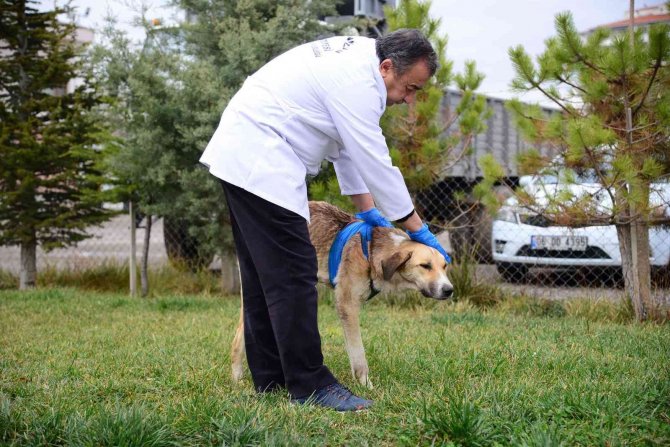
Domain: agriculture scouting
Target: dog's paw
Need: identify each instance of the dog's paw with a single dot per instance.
(364, 380)
(238, 372)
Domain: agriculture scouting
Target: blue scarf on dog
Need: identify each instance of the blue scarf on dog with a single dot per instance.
(346, 233)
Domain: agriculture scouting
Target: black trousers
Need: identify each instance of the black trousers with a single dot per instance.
(278, 266)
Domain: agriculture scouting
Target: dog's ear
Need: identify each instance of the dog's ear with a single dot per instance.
(395, 263)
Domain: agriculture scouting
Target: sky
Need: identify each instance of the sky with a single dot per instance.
(484, 30)
(479, 30)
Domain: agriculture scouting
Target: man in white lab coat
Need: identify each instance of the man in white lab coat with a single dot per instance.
(321, 100)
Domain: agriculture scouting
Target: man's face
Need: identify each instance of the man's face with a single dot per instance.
(403, 88)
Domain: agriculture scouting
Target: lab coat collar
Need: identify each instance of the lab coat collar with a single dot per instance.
(379, 80)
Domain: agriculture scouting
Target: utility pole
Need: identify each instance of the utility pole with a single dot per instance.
(631, 21)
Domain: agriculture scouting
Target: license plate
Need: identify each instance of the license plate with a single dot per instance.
(575, 243)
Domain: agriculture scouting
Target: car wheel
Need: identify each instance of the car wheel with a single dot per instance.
(514, 273)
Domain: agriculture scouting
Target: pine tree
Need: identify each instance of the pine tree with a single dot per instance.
(50, 181)
(596, 83)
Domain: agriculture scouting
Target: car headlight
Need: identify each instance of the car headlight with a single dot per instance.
(506, 215)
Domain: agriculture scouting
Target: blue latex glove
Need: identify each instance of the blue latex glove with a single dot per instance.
(374, 217)
(424, 236)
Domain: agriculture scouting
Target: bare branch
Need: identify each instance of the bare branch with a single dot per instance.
(452, 119)
(448, 226)
(599, 173)
(565, 81)
(657, 65)
(454, 161)
(556, 101)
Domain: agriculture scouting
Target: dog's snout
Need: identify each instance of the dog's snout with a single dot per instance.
(438, 292)
(447, 292)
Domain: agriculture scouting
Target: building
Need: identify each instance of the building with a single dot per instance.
(643, 18)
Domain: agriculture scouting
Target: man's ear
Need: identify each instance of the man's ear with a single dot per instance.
(395, 263)
(385, 67)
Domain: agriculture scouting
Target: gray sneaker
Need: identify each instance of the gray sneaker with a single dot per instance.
(337, 397)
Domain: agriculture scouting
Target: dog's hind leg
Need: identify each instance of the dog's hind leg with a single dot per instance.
(348, 306)
(237, 349)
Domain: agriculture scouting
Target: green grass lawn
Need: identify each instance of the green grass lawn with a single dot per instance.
(86, 368)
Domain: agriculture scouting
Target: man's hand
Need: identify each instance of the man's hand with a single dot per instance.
(373, 217)
(424, 236)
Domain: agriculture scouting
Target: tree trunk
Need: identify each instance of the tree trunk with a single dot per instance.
(640, 251)
(132, 261)
(144, 277)
(629, 277)
(637, 272)
(643, 270)
(634, 236)
(28, 274)
(634, 249)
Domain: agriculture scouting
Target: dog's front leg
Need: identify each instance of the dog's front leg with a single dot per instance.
(348, 306)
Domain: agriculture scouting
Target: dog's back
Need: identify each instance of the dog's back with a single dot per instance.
(326, 221)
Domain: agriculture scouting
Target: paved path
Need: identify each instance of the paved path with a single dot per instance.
(565, 285)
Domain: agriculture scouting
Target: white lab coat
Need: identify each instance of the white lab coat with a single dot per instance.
(321, 100)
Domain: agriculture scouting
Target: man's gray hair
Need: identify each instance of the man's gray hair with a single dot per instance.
(405, 47)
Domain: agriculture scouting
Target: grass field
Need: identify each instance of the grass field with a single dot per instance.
(91, 368)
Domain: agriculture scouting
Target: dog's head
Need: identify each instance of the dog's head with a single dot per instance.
(416, 266)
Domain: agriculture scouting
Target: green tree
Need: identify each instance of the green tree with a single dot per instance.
(146, 161)
(171, 91)
(50, 181)
(614, 95)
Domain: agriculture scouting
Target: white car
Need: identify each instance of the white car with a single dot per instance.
(522, 238)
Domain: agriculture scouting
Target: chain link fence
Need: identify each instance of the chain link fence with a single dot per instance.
(167, 245)
(528, 253)
(519, 251)
(109, 244)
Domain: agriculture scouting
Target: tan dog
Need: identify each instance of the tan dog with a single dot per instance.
(395, 263)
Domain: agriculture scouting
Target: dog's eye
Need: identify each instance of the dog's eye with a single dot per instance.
(426, 266)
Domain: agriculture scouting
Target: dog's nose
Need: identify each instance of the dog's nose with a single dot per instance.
(447, 292)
